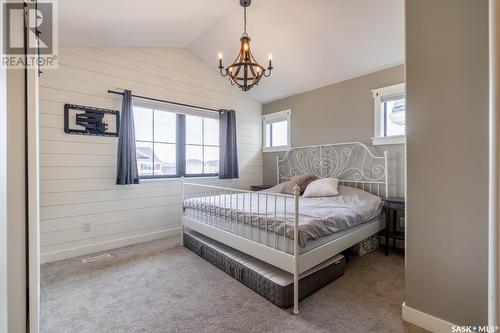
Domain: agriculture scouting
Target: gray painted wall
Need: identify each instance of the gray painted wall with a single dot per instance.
(16, 242)
(340, 112)
(447, 147)
(12, 199)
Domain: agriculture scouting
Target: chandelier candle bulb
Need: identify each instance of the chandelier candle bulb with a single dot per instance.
(220, 61)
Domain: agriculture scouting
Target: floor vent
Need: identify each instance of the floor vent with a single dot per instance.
(95, 258)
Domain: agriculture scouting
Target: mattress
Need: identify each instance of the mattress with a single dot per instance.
(270, 282)
(257, 212)
(279, 242)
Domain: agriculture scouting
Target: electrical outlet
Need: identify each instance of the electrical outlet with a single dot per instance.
(87, 227)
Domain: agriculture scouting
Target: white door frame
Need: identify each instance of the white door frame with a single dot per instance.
(31, 109)
(33, 186)
(33, 200)
(494, 164)
(3, 191)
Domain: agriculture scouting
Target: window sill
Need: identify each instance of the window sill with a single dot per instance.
(275, 149)
(147, 180)
(389, 140)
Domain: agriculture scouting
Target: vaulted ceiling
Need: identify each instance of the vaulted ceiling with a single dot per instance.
(314, 42)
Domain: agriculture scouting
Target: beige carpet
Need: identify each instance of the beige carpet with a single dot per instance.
(153, 288)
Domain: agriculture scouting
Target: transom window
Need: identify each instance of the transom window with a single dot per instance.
(276, 131)
(390, 115)
(170, 144)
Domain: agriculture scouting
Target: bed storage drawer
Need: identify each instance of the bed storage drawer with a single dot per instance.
(270, 282)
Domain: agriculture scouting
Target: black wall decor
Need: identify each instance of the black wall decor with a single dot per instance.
(89, 120)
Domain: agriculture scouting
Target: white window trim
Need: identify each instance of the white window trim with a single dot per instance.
(271, 116)
(389, 140)
(378, 94)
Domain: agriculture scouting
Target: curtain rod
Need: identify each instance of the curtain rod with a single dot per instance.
(164, 101)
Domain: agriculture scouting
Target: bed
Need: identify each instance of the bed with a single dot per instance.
(289, 232)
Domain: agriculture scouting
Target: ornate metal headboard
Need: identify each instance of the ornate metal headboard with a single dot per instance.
(353, 163)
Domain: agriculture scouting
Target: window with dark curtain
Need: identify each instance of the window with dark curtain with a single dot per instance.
(170, 144)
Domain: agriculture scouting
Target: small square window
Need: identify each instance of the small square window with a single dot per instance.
(276, 131)
(390, 115)
(394, 116)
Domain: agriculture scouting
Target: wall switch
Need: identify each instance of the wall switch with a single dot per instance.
(87, 227)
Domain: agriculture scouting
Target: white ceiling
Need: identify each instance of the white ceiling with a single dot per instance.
(135, 23)
(314, 42)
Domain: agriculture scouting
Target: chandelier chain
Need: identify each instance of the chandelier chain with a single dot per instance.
(245, 20)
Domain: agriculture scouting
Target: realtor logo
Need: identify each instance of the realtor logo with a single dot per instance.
(40, 35)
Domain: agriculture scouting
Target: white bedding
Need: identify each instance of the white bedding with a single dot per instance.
(317, 216)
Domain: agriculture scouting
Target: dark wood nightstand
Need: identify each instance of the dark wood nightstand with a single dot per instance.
(260, 187)
(394, 210)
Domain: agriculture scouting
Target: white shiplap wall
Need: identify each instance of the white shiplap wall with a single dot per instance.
(77, 173)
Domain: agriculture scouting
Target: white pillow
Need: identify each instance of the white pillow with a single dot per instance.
(323, 187)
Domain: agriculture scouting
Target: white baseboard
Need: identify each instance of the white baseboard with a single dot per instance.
(424, 320)
(108, 245)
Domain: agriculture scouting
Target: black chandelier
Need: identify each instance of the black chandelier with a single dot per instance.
(245, 72)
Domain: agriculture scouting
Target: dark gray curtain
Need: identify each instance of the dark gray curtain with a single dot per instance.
(126, 172)
(228, 155)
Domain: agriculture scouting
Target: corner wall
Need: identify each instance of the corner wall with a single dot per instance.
(77, 173)
(447, 147)
(341, 112)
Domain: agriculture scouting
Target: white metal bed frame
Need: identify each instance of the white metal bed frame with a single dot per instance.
(353, 163)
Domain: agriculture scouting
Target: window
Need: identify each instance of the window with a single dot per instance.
(170, 144)
(276, 131)
(390, 115)
(202, 146)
